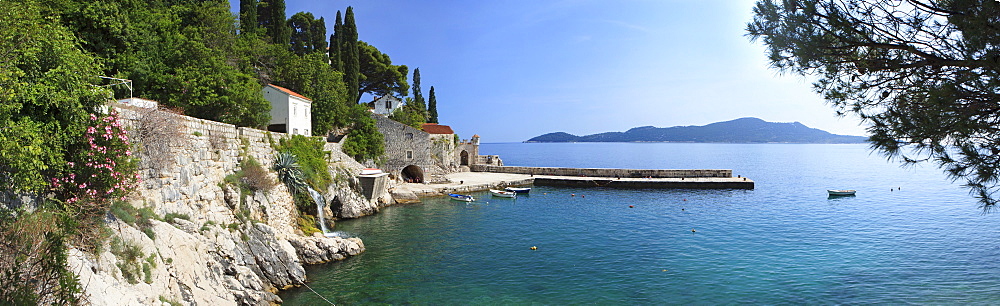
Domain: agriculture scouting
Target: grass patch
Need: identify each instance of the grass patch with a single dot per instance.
(128, 255)
(197, 133)
(140, 218)
(169, 217)
(307, 223)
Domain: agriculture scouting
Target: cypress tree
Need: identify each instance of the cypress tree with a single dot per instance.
(335, 44)
(418, 96)
(352, 62)
(271, 16)
(248, 16)
(432, 111)
(318, 33)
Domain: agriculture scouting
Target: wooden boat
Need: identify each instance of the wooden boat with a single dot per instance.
(841, 193)
(461, 197)
(518, 190)
(503, 193)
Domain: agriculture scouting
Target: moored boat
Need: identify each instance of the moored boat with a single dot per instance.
(503, 193)
(461, 197)
(518, 190)
(841, 193)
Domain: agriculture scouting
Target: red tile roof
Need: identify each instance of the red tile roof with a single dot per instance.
(434, 128)
(288, 91)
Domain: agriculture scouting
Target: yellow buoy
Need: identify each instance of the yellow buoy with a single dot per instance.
(534, 248)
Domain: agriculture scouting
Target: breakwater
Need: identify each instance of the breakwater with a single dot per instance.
(607, 172)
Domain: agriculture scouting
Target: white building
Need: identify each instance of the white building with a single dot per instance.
(385, 105)
(290, 112)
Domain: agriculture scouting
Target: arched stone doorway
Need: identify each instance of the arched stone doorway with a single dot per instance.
(413, 174)
(465, 158)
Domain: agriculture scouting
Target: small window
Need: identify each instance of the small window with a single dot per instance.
(409, 154)
(388, 105)
(295, 131)
(409, 136)
(294, 109)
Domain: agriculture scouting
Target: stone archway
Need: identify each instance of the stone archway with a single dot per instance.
(464, 158)
(412, 174)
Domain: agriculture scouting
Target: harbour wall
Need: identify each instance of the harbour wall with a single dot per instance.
(661, 183)
(606, 172)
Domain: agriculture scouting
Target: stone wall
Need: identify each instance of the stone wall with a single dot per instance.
(230, 247)
(605, 172)
(404, 146)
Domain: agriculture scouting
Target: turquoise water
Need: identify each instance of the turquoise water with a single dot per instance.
(924, 242)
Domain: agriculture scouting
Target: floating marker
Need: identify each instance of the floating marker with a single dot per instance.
(692, 230)
(630, 206)
(534, 248)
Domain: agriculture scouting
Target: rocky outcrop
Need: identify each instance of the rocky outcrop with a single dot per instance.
(347, 203)
(316, 250)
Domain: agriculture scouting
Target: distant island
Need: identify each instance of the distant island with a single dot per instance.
(743, 130)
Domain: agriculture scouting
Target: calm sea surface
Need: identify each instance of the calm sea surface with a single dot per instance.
(909, 236)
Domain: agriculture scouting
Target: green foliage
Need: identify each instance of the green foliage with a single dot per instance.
(336, 43)
(308, 34)
(410, 114)
(307, 224)
(169, 217)
(197, 133)
(379, 76)
(129, 256)
(923, 76)
(350, 57)
(364, 142)
(312, 77)
(432, 111)
(418, 94)
(248, 17)
(311, 158)
(289, 172)
(271, 17)
(33, 260)
(45, 97)
(171, 302)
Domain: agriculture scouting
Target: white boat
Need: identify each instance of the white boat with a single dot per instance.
(503, 193)
(518, 190)
(840, 193)
(461, 197)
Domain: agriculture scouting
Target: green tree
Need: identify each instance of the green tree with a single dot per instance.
(379, 76)
(248, 16)
(335, 44)
(923, 75)
(349, 56)
(364, 142)
(271, 17)
(418, 95)
(432, 111)
(312, 77)
(308, 33)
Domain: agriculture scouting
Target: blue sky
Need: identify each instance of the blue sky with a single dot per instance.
(512, 70)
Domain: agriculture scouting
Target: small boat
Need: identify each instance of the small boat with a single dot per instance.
(503, 193)
(518, 190)
(841, 193)
(461, 197)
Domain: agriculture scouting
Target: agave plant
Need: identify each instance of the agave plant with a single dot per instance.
(289, 172)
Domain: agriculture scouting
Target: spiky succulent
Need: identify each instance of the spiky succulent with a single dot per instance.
(289, 172)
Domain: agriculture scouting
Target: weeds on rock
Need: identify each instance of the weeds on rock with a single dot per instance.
(33, 256)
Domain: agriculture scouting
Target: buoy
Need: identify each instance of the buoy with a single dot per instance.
(630, 206)
(572, 194)
(664, 270)
(583, 196)
(682, 209)
(685, 199)
(692, 230)
(534, 248)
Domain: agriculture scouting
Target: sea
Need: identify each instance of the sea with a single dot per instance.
(909, 236)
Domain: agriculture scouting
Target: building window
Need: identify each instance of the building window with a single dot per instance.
(409, 154)
(409, 136)
(294, 110)
(295, 131)
(306, 131)
(388, 105)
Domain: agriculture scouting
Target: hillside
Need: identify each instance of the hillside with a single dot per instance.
(743, 130)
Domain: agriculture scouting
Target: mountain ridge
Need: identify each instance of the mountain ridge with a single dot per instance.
(742, 130)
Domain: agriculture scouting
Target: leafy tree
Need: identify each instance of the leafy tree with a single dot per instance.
(271, 17)
(311, 76)
(409, 114)
(923, 75)
(379, 76)
(432, 111)
(364, 142)
(349, 55)
(46, 96)
(308, 33)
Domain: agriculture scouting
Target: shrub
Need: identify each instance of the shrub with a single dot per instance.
(289, 172)
(33, 267)
(158, 131)
(128, 259)
(311, 157)
(255, 176)
(169, 217)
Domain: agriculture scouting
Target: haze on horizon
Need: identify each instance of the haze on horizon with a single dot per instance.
(512, 70)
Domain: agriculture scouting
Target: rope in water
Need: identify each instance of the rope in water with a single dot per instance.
(317, 293)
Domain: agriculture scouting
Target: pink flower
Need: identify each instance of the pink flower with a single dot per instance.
(93, 117)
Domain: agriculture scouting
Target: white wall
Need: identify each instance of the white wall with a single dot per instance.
(294, 112)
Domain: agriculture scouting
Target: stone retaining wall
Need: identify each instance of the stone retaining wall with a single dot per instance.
(605, 172)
